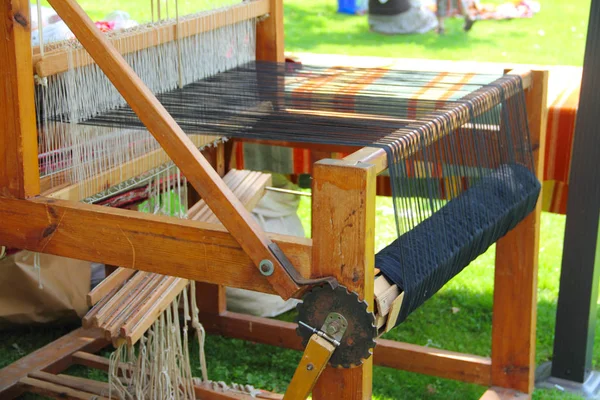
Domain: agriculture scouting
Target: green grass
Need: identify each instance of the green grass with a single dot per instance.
(555, 36)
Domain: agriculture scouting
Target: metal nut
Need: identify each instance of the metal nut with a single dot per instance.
(266, 267)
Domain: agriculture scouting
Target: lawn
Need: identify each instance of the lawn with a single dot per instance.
(554, 36)
(459, 316)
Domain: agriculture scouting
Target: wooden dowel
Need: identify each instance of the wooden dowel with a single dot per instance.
(178, 146)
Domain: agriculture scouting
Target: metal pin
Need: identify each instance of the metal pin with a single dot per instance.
(288, 191)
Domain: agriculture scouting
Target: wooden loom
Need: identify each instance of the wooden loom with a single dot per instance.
(50, 224)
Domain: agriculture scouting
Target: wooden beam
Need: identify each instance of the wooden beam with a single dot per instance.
(57, 61)
(388, 353)
(54, 357)
(178, 146)
(161, 244)
(343, 226)
(269, 34)
(515, 286)
(19, 174)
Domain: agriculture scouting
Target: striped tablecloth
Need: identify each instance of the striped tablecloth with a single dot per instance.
(562, 101)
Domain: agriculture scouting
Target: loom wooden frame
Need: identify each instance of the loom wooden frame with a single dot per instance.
(144, 242)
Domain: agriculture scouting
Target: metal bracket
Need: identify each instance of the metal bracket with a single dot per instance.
(294, 274)
(333, 328)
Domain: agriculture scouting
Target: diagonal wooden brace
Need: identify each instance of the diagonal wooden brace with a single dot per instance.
(178, 146)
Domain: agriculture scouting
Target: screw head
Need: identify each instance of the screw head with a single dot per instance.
(266, 267)
(310, 367)
(333, 328)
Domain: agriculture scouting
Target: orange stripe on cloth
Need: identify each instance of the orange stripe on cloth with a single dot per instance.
(454, 88)
(562, 115)
(347, 94)
(414, 101)
(304, 91)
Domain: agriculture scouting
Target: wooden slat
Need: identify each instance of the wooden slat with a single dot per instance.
(58, 61)
(57, 391)
(161, 244)
(53, 357)
(178, 146)
(73, 382)
(398, 355)
(112, 281)
(155, 310)
(19, 174)
(515, 285)
(343, 227)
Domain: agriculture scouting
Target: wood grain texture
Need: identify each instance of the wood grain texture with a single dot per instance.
(112, 281)
(314, 360)
(343, 226)
(175, 142)
(19, 174)
(270, 35)
(57, 61)
(161, 244)
(56, 391)
(388, 353)
(515, 286)
(54, 357)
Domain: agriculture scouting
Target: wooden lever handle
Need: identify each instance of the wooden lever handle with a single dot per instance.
(176, 144)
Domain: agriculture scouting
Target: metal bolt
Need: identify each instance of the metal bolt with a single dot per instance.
(310, 367)
(333, 328)
(266, 267)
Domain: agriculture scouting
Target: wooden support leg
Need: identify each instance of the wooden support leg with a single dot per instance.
(343, 226)
(211, 298)
(515, 287)
(19, 174)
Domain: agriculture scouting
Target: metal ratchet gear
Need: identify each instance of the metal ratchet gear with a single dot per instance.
(358, 341)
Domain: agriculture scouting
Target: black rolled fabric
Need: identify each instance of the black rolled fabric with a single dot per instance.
(496, 204)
